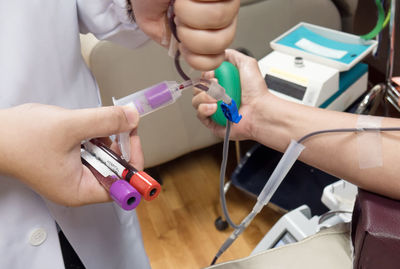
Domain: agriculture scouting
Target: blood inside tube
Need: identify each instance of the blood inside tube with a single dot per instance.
(107, 181)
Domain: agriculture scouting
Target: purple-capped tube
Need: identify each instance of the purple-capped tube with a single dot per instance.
(123, 193)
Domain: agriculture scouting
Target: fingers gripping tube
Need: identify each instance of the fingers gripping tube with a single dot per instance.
(228, 89)
(225, 92)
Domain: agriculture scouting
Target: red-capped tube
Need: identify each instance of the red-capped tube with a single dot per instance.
(148, 187)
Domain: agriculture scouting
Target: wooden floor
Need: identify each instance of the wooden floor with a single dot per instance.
(178, 227)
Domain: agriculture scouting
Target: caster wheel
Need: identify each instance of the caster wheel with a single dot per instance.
(221, 224)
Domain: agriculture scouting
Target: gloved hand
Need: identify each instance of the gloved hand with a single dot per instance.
(205, 28)
(41, 147)
(254, 90)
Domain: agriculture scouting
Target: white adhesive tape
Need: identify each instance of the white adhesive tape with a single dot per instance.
(369, 142)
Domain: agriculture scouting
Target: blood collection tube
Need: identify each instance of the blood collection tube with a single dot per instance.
(161, 95)
(125, 195)
(146, 101)
(154, 97)
(145, 184)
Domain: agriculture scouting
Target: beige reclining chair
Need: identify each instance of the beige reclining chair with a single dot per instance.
(175, 130)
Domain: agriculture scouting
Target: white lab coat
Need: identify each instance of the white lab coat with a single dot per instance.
(40, 61)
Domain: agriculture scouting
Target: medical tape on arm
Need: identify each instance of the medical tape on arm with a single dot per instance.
(369, 143)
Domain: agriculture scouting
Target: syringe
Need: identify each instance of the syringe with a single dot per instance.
(161, 95)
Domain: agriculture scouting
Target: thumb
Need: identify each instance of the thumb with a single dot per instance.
(103, 121)
(241, 61)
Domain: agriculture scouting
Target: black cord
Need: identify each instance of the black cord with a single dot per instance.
(171, 19)
(178, 66)
(214, 260)
(348, 130)
(172, 27)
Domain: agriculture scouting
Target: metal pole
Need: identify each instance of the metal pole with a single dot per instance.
(390, 62)
(391, 94)
(238, 153)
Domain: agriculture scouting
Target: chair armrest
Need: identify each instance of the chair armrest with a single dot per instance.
(375, 231)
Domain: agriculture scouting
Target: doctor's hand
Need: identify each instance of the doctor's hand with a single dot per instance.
(205, 28)
(254, 92)
(40, 145)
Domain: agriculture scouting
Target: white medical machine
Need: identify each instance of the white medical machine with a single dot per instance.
(298, 224)
(317, 66)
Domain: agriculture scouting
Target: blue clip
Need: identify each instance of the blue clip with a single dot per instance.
(231, 112)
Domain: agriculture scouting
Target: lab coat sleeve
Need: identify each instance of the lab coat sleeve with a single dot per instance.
(108, 19)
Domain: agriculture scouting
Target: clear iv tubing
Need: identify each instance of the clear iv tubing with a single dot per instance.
(283, 167)
(218, 95)
(285, 164)
(225, 149)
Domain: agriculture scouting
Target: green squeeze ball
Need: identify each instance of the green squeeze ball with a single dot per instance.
(228, 77)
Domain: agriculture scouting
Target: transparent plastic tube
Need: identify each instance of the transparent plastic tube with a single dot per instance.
(217, 92)
(289, 157)
(285, 164)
